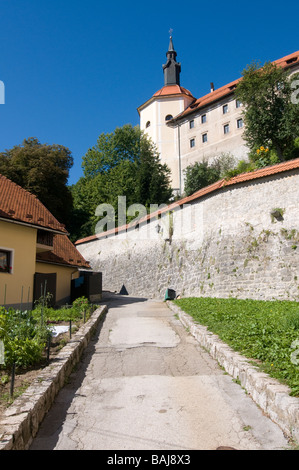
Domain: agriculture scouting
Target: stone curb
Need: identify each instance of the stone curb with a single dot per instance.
(22, 419)
(269, 394)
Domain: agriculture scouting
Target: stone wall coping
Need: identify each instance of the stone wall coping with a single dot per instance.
(22, 419)
(268, 393)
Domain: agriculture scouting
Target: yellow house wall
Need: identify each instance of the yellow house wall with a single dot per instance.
(63, 280)
(21, 241)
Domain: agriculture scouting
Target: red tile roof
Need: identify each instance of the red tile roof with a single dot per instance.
(249, 176)
(172, 90)
(285, 62)
(64, 253)
(18, 204)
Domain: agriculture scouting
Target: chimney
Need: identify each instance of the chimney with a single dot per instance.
(212, 86)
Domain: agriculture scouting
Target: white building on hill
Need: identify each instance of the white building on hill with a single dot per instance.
(186, 129)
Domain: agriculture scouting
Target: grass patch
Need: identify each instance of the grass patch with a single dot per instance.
(260, 330)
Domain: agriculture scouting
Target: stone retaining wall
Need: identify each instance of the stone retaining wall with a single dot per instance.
(23, 418)
(271, 396)
(226, 243)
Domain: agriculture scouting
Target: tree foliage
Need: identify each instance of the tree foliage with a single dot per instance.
(122, 163)
(202, 174)
(271, 117)
(43, 170)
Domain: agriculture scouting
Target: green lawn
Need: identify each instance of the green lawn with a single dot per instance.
(263, 330)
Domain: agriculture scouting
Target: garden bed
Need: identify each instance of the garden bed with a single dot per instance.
(26, 373)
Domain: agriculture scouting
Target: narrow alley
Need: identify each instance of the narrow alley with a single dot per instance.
(144, 383)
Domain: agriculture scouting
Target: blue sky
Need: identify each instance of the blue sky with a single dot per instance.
(73, 69)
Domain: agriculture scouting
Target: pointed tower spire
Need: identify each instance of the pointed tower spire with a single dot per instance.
(172, 68)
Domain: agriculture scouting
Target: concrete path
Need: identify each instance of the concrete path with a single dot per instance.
(145, 383)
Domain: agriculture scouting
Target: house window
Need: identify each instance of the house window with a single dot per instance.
(192, 143)
(168, 117)
(225, 109)
(5, 261)
(205, 138)
(203, 118)
(238, 104)
(226, 128)
(191, 124)
(239, 123)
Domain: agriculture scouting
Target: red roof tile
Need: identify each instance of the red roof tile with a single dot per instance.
(285, 62)
(64, 253)
(249, 176)
(172, 90)
(18, 204)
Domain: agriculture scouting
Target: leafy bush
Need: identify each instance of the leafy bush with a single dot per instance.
(23, 337)
(74, 312)
(263, 330)
(25, 334)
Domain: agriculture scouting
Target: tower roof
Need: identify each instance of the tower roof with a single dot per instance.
(172, 68)
(168, 90)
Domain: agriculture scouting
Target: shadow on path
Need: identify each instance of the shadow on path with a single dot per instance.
(114, 300)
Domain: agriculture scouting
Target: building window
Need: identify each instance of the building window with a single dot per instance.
(191, 124)
(148, 124)
(205, 138)
(203, 118)
(225, 109)
(168, 117)
(226, 128)
(239, 123)
(238, 104)
(192, 143)
(5, 261)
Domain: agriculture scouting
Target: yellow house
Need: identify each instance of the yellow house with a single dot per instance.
(36, 255)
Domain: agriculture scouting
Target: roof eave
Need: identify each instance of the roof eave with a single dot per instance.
(186, 113)
(36, 226)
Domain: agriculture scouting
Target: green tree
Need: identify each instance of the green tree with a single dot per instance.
(199, 175)
(271, 118)
(122, 163)
(112, 148)
(43, 170)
